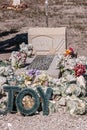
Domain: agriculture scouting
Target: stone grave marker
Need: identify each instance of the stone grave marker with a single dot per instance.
(48, 40)
(16, 2)
(47, 43)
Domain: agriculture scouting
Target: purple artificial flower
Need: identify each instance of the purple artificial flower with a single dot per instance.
(34, 72)
(37, 72)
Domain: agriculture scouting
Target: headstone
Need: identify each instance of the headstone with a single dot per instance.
(47, 40)
(16, 2)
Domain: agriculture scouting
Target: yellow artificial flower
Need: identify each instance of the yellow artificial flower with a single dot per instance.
(68, 52)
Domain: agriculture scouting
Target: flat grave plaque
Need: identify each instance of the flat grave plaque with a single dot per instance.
(41, 62)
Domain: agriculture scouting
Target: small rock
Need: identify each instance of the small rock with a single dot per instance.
(10, 126)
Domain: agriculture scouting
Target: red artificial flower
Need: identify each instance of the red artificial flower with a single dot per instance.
(79, 69)
(69, 51)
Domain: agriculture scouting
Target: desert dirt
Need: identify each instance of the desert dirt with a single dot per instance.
(57, 121)
(14, 27)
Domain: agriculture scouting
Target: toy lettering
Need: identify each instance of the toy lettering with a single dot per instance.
(18, 94)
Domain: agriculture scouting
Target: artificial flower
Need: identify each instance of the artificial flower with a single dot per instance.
(18, 59)
(69, 51)
(33, 72)
(79, 70)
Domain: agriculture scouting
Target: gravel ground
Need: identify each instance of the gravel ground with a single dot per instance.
(57, 121)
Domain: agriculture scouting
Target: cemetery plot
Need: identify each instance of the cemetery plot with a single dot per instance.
(68, 88)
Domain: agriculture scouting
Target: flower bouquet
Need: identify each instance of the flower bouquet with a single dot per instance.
(30, 76)
(18, 59)
(28, 49)
(79, 70)
(70, 52)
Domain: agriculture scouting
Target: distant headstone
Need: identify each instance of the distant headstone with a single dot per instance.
(48, 40)
(16, 2)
